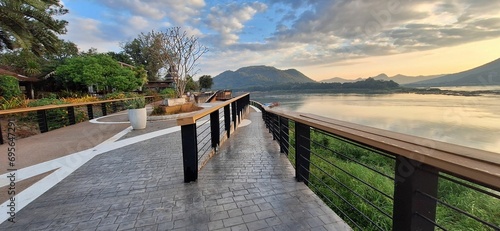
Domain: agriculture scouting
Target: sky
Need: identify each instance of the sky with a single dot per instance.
(321, 38)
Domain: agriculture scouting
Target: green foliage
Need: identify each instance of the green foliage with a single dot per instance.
(9, 87)
(206, 82)
(56, 118)
(168, 92)
(335, 171)
(99, 70)
(191, 85)
(369, 84)
(135, 103)
(31, 25)
(145, 51)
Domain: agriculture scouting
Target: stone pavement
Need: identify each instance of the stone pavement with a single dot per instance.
(248, 185)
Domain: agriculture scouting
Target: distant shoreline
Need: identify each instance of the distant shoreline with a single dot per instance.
(401, 90)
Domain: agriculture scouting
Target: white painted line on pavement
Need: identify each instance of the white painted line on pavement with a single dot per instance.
(66, 165)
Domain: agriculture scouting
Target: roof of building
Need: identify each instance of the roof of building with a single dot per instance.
(19, 77)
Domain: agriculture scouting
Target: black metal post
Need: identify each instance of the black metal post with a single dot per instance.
(215, 128)
(227, 120)
(103, 108)
(302, 151)
(233, 107)
(413, 179)
(284, 137)
(71, 115)
(113, 105)
(189, 152)
(42, 121)
(1, 135)
(90, 111)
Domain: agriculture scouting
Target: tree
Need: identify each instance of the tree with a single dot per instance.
(206, 82)
(30, 25)
(191, 85)
(9, 87)
(101, 71)
(145, 50)
(180, 52)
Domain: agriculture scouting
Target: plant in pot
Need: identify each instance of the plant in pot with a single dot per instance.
(137, 114)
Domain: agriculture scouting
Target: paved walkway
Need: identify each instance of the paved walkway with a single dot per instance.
(139, 185)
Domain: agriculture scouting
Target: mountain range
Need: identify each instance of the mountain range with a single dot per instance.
(257, 76)
(400, 79)
(487, 74)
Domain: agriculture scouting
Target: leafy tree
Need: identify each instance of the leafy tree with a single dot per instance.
(101, 71)
(31, 25)
(9, 87)
(25, 62)
(191, 85)
(120, 56)
(206, 82)
(145, 51)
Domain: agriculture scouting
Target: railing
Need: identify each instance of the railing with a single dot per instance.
(381, 180)
(50, 117)
(204, 131)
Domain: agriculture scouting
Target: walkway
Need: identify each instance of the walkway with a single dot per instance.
(248, 185)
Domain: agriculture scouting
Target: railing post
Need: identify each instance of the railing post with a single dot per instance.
(214, 128)
(71, 115)
(189, 152)
(233, 107)
(42, 121)
(113, 105)
(90, 111)
(1, 135)
(302, 152)
(227, 120)
(103, 108)
(275, 126)
(414, 179)
(284, 135)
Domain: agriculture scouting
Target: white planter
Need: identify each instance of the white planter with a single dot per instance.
(138, 118)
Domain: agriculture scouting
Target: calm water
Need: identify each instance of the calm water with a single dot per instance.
(468, 121)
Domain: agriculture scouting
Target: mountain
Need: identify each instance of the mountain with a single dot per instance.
(254, 76)
(400, 79)
(404, 79)
(485, 75)
(336, 80)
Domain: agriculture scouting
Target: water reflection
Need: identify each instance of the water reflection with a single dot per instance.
(468, 121)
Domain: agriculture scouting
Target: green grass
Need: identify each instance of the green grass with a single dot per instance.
(329, 180)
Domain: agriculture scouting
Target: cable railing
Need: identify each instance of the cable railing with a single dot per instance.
(381, 180)
(41, 119)
(203, 132)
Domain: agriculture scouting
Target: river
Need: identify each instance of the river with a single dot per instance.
(472, 121)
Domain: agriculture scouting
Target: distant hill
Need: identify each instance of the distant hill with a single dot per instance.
(400, 79)
(337, 80)
(485, 75)
(257, 76)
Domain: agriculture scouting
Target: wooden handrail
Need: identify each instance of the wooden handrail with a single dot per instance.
(191, 119)
(473, 164)
(47, 107)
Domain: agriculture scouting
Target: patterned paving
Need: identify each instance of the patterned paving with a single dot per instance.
(248, 185)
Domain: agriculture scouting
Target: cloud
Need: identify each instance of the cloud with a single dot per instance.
(88, 33)
(176, 11)
(228, 20)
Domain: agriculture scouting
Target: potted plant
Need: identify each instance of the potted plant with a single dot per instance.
(137, 114)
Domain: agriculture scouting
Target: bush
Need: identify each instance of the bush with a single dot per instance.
(168, 93)
(9, 87)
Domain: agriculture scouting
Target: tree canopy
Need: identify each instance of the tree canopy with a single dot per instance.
(101, 71)
(145, 51)
(206, 82)
(30, 24)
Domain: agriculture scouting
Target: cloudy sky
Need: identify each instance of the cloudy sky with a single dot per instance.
(321, 38)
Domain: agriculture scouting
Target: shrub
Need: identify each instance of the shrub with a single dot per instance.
(135, 103)
(168, 93)
(9, 87)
